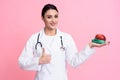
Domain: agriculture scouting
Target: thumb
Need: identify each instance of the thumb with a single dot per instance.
(43, 51)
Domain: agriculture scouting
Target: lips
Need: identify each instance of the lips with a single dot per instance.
(53, 24)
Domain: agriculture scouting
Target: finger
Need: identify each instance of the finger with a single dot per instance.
(43, 50)
(107, 43)
(48, 60)
(99, 45)
(48, 55)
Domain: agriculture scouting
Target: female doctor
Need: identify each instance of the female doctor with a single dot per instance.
(47, 51)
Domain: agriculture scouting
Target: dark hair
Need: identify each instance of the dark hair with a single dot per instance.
(47, 7)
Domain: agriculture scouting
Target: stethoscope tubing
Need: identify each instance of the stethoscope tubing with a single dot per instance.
(38, 42)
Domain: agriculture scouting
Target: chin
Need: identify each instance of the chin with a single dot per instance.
(53, 27)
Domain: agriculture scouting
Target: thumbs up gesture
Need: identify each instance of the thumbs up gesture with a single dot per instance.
(45, 58)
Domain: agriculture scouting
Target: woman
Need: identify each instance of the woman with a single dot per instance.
(48, 50)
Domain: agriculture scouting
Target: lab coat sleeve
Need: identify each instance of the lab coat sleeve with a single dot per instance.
(27, 60)
(74, 57)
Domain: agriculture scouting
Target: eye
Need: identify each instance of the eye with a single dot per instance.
(49, 17)
(56, 16)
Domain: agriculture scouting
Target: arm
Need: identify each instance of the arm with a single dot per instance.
(74, 57)
(27, 60)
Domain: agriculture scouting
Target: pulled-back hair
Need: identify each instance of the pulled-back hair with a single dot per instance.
(47, 7)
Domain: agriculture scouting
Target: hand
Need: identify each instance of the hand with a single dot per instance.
(45, 58)
(91, 44)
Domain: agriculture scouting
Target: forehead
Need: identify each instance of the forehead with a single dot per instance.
(51, 12)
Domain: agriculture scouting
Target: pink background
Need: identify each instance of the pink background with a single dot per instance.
(83, 19)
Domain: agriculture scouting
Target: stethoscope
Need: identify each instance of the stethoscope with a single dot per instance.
(39, 43)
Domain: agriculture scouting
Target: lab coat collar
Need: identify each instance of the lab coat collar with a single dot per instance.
(59, 33)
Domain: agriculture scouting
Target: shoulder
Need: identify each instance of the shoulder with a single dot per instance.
(63, 34)
(33, 37)
(67, 39)
(66, 36)
(35, 34)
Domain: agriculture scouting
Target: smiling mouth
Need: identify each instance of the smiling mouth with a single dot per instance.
(53, 24)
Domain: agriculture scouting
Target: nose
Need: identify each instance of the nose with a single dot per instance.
(53, 19)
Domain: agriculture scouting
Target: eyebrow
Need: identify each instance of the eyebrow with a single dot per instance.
(51, 15)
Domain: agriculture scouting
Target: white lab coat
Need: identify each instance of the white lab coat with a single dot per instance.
(56, 69)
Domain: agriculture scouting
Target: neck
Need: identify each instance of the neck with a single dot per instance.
(50, 32)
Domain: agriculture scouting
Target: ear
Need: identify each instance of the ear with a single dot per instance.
(42, 18)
